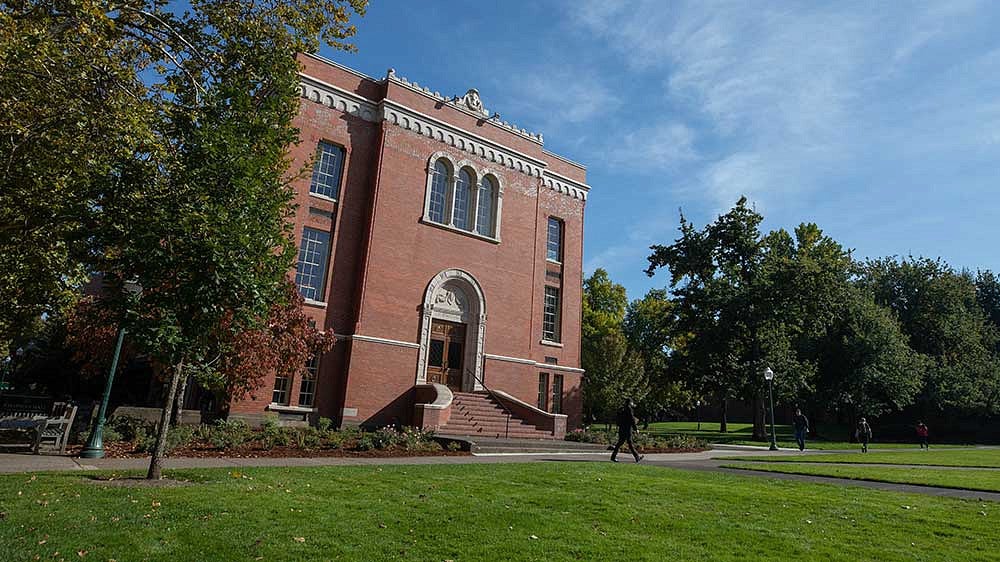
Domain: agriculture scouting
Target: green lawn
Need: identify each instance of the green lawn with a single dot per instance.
(977, 458)
(537, 511)
(740, 433)
(966, 479)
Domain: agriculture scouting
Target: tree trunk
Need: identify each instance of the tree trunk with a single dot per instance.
(759, 420)
(179, 402)
(155, 463)
(723, 425)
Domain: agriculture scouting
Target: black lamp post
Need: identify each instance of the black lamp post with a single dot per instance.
(94, 448)
(769, 377)
(697, 409)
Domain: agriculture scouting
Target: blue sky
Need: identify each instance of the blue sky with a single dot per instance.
(878, 121)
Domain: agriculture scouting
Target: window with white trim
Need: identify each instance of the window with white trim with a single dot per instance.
(557, 389)
(280, 394)
(550, 315)
(310, 273)
(463, 199)
(327, 170)
(486, 207)
(543, 391)
(554, 245)
(307, 386)
(437, 210)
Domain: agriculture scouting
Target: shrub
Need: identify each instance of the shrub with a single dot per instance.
(588, 435)
(230, 433)
(324, 425)
(109, 435)
(272, 434)
(383, 438)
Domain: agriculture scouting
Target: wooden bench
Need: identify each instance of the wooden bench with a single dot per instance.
(30, 429)
(37, 420)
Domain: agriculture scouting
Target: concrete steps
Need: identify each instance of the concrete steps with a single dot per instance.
(479, 416)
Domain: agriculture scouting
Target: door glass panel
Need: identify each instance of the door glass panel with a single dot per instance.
(437, 353)
(454, 355)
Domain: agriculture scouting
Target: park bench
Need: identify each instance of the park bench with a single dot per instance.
(30, 421)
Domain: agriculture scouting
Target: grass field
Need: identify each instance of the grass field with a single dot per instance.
(976, 458)
(552, 511)
(969, 479)
(740, 433)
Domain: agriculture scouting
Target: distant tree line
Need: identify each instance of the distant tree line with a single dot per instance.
(848, 338)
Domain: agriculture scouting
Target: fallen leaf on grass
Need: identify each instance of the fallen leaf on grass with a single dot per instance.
(533, 537)
(299, 539)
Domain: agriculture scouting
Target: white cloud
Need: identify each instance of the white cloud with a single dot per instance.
(793, 94)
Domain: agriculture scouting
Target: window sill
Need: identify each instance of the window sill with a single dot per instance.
(552, 261)
(322, 197)
(457, 230)
(291, 409)
(317, 304)
(551, 343)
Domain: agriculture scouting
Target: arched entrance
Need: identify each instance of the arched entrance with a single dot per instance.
(452, 330)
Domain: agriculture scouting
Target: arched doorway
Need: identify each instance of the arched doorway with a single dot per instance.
(452, 331)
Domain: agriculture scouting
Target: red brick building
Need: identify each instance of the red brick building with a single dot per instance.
(444, 248)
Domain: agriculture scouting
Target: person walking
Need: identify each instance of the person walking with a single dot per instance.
(801, 424)
(864, 434)
(626, 424)
(922, 434)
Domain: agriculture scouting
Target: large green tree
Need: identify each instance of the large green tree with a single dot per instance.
(942, 314)
(191, 196)
(614, 369)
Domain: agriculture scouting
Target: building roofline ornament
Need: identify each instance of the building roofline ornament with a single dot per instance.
(469, 103)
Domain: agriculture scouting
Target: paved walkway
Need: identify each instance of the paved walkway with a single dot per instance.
(708, 461)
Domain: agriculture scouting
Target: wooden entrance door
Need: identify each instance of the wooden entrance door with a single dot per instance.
(446, 355)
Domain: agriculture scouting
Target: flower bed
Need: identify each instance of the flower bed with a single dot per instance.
(131, 437)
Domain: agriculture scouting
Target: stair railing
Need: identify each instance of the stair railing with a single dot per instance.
(506, 410)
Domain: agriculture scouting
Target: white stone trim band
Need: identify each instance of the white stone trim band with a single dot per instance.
(546, 366)
(428, 126)
(562, 184)
(373, 339)
(337, 98)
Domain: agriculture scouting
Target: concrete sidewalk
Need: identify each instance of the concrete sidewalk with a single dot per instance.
(43, 463)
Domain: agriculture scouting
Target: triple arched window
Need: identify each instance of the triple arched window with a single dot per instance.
(464, 199)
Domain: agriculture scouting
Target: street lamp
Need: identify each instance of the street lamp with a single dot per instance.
(769, 377)
(697, 409)
(94, 448)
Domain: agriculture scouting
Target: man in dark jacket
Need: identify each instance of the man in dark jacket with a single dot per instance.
(801, 424)
(626, 424)
(864, 434)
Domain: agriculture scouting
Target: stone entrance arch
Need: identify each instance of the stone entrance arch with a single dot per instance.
(455, 296)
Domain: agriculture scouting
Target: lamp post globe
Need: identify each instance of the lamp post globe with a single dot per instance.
(769, 377)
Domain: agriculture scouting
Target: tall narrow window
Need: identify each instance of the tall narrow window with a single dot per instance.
(463, 190)
(310, 273)
(326, 170)
(280, 393)
(550, 315)
(439, 193)
(557, 389)
(486, 207)
(555, 240)
(543, 391)
(307, 388)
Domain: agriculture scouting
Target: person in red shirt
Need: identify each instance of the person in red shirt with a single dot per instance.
(922, 433)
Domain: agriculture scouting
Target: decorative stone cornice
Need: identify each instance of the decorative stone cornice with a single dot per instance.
(562, 184)
(318, 91)
(331, 96)
(425, 125)
(469, 103)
